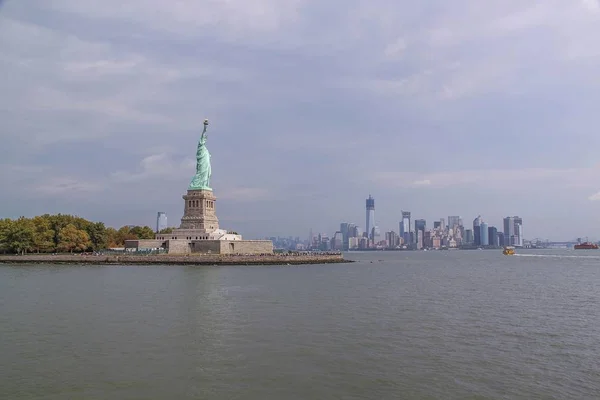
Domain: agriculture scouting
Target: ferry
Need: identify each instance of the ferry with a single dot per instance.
(586, 246)
(508, 251)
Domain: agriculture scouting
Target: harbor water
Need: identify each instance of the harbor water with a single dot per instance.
(393, 325)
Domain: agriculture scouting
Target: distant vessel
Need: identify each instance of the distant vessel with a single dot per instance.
(586, 246)
(508, 251)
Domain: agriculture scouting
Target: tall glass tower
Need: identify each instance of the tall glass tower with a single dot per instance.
(509, 231)
(161, 221)
(370, 223)
(405, 227)
(518, 231)
(484, 234)
(477, 230)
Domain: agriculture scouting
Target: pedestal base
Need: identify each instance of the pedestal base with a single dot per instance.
(199, 213)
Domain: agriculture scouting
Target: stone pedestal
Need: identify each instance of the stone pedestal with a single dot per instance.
(200, 211)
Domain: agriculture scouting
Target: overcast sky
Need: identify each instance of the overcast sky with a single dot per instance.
(438, 107)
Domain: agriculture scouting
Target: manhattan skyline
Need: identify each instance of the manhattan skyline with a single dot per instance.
(441, 109)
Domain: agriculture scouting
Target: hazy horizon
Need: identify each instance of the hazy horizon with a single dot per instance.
(438, 108)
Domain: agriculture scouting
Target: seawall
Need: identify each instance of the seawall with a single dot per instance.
(165, 259)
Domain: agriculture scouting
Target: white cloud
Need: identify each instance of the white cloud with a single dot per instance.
(422, 182)
(36, 180)
(595, 197)
(102, 67)
(232, 18)
(155, 166)
(395, 49)
(516, 179)
(591, 5)
(117, 106)
(243, 194)
(68, 186)
(56, 75)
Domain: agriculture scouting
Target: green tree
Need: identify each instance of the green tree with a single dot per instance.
(142, 232)
(48, 232)
(43, 239)
(124, 234)
(59, 221)
(111, 237)
(5, 226)
(98, 235)
(20, 236)
(73, 239)
(166, 230)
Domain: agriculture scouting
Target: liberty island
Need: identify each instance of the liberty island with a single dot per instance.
(199, 231)
(198, 241)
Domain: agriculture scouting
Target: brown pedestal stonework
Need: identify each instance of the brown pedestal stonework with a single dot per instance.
(200, 211)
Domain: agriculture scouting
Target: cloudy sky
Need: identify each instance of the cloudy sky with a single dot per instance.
(439, 107)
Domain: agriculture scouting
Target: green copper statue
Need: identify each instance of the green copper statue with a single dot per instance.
(201, 181)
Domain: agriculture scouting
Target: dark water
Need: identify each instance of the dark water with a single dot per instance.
(426, 325)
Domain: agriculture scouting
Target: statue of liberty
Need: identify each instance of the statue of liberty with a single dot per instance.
(201, 181)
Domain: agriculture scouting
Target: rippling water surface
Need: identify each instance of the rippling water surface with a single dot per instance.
(409, 325)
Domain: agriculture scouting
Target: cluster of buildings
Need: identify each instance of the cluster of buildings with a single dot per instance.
(416, 235)
(288, 243)
(411, 234)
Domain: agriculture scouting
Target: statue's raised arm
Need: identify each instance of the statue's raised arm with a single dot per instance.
(204, 135)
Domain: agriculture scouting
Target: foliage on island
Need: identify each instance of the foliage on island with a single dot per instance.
(64, 233)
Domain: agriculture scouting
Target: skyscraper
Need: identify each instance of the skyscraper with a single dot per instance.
(518, 221)
(161, 221)
(454, 221)
(337, 242)
(344, 228)
(405, 227)
(501, 239)
(483, 235)
(469, 236)
(420, 227)
(509, 231)
(493, 236)
(376, 234)
(370, 223)
(477, 231)
(392, 239)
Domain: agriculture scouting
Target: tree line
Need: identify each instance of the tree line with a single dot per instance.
(64, 233)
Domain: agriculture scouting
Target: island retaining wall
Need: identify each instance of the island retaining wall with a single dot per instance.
(165, 259)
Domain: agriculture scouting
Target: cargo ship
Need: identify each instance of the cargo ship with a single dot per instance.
(586, 246)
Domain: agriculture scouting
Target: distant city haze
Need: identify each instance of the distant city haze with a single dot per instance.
(439, 109)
